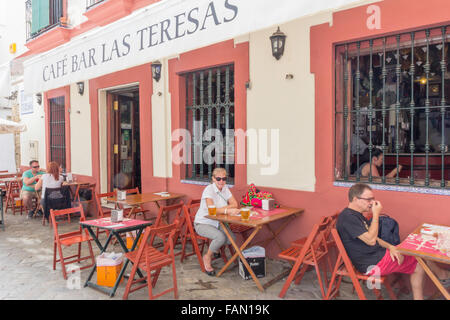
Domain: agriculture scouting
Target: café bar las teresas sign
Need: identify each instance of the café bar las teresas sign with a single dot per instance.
(162, 29)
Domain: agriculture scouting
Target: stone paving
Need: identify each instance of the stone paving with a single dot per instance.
(26, 266)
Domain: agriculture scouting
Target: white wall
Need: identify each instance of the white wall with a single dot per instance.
(161, 125)
(277, 103)
(80, 131)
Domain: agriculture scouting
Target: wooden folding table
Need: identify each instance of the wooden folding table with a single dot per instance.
(136, 200)
(115, 229)
(423, 247)
(257, 221)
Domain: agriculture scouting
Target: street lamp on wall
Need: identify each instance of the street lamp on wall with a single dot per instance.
(156, 70)
(278, 41)
(80, 86)
(39, 98)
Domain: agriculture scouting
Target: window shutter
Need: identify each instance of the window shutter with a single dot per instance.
(44, 13)
(35, 8)
(40, 14)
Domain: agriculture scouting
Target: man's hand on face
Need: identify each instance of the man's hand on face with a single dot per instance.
(376, 208)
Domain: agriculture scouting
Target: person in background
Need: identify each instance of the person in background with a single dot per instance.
(29, 191)
(52, 179)
(218, 194)
(377, 161)
(372, 255)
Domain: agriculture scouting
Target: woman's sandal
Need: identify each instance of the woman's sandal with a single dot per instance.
(210, 273)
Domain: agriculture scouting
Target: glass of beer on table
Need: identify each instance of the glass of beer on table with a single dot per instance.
(212, 210)
(245, 213)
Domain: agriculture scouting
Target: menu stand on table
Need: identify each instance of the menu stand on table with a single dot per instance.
(115, 229)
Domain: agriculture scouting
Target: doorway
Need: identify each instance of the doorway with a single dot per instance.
(124, 139)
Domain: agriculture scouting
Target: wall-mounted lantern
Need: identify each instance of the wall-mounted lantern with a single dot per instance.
(156, 70)
(39, 98)
(278, 41)
(80, 86)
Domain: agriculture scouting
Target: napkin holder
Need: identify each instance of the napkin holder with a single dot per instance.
(268, 204)
(121, 195)
(69, 177)
(116, 215)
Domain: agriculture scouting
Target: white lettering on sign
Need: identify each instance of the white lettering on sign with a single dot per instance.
(162, 29)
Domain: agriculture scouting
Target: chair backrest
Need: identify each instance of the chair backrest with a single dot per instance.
(98, 199)
(350, 270)
(168, 232)
(189, 215)
(341, 249)
(65, 212)
(165, 210)
(85, 191)
(57, 198)
(193, 202)
(132, 191)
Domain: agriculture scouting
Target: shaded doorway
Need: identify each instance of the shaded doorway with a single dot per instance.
(124, 155)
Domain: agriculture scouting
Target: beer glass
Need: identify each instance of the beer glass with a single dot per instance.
(245, 213)
(212, 210)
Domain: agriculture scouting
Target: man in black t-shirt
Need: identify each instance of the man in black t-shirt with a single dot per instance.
(370, 254)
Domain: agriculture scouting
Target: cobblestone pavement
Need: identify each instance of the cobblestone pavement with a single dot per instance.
(26, 266)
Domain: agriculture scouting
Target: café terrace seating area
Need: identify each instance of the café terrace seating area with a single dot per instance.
(160, 252)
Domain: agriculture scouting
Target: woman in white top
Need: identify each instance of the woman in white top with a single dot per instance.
(218, 194)
(52, 179)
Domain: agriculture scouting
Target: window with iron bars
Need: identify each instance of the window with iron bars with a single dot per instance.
(392, 116)
(57, 126)
(210, 122)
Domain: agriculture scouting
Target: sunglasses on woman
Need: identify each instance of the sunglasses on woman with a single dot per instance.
(221, 179)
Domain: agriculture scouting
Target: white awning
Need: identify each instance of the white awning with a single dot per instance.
(162, 29)
(7, 126)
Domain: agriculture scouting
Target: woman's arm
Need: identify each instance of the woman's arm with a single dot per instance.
(393, 173)
(230, 208)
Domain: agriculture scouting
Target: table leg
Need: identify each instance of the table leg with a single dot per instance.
(433, 278)
(239, 252)
(124, 267)
(276, 233)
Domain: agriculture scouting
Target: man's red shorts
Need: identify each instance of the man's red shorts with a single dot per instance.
(387, 266)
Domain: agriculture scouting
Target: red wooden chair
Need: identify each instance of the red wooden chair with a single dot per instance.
(344, 267)
(197, 241)
(13, 200)
(163, 217)
(330, 241)
(68, 239)
(313, 251)
(152, 260)
(137, 210)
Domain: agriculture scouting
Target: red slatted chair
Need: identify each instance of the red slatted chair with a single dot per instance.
(313, 251)
(136, 211)
(13, 200)
(103, 212)
(197, 241)
(68, 239)
(344, 267)
(152, 260)
(162, 219)
(330, 241)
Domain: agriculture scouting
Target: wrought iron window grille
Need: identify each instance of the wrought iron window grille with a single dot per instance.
(392, 94)
(210, 112)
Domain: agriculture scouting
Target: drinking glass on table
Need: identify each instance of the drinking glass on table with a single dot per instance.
(212, 210)
(245, 213)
